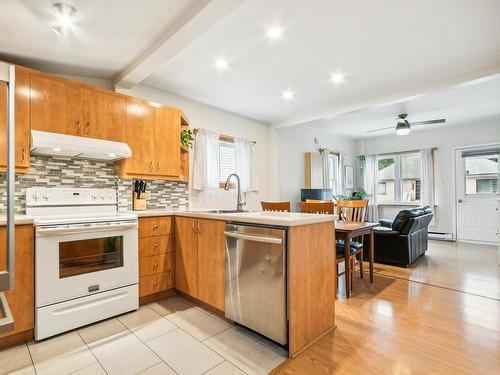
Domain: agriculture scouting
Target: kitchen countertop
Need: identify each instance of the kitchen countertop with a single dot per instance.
(287, 219)
(19, 219)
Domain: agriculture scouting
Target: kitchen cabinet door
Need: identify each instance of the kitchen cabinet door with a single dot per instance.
(21, 298)
(104, 115)
(140, 131)
(56, 105)
(22, 118)
(186, 256)
(167, 148)
(211, 262)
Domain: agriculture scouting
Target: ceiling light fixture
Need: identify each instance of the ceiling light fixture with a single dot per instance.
(65, 15)
(56, 149)
(403, 127)
(288, 94)
(337, 77)
(221, 63)
(274, 32)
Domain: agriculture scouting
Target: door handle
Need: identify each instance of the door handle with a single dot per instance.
(460, 201)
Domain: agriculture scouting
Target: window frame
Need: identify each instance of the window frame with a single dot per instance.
(398, 180)
(226, 139)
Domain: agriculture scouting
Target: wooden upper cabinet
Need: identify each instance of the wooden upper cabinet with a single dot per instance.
(22, 119)
(211, 262)
(167, 149)
(186, 256)
(140, 136)
(56, 105)
(104, 115)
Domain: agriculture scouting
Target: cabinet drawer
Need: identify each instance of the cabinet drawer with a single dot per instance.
(155, 283)
(154, 226)
(155, 245)
(155, 264)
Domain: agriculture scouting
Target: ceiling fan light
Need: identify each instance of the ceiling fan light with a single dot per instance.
(402, 128)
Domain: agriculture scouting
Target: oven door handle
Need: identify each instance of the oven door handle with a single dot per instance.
(55, 231)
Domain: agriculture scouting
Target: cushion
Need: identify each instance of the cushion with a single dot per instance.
(354, 244)
(385, 231)
(403, 216)
(385, 223)
(340, 251)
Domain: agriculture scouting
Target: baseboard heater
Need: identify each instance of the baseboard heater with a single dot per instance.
(440, 236)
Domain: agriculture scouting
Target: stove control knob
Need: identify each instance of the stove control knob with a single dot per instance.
(94, 195)
(46, 196)
(36, 195)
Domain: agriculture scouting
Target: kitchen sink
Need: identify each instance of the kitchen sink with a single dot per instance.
(224, 211)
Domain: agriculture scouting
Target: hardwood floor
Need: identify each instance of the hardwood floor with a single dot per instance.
(411, 321)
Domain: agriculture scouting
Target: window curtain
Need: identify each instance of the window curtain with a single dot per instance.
(427, 180)
(325, 159)
(370, 184)
(246, 164)
(206, 160)
(341, 175)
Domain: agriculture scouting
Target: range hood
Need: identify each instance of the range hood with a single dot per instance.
(54, 144)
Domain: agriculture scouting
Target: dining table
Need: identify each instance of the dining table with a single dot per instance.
(346, 230)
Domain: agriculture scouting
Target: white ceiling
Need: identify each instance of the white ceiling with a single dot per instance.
(459, 105)
(386, 48)
(106, 36)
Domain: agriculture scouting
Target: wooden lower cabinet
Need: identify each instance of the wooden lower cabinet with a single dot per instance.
(21, 299)
(200, 259)
(155, 255)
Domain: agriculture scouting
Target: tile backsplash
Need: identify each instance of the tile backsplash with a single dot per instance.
(50, 171)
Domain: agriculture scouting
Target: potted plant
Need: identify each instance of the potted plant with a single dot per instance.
(187, 139)
(358, 194)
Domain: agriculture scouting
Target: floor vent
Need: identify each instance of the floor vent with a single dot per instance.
(440, 236)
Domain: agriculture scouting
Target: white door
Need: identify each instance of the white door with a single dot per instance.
(477, 192)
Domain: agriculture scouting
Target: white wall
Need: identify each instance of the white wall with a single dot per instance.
(222, 122)
(445, 139)
(292, 143)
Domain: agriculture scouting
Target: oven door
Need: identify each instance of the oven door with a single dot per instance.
(82, 259)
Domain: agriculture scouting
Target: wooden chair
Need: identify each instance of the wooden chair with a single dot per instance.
(354, 211)
(276, 206)
(316, 200)
(316, 207)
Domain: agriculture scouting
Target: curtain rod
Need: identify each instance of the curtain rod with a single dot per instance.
(406, 152)
(222, 137)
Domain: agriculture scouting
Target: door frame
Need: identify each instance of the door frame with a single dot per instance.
(454, 179)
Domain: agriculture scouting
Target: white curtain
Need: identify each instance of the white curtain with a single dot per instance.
(341, 175)
(246, 164)
(370, 184)
(206, 160)
(325, 160)
(427, 180)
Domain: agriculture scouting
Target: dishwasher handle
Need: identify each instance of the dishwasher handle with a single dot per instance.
(251, 237)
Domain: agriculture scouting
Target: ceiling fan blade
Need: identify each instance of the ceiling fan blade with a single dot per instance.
(378, 130)
(429, 122)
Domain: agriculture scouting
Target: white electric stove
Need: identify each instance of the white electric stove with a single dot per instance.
(86, 258)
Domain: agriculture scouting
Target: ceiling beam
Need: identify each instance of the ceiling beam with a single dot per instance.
(469, 78)
(190, 26)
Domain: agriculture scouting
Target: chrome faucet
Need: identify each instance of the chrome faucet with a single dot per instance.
(239, 203)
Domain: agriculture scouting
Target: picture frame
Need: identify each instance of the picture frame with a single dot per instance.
(349, 177)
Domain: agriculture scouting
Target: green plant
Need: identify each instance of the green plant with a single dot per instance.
(357, 195)
(187, 138)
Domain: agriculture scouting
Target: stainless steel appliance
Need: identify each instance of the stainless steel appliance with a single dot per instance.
(256, 279)
(86, 258)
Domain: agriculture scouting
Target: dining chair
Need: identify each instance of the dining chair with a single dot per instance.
(316, 207)
(277, 206)
(353, 212)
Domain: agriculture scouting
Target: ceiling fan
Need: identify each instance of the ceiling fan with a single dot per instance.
(403, 127)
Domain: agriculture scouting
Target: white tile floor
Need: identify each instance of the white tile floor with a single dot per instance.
(171, 336)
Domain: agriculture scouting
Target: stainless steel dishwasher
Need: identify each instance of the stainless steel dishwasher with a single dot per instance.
(256, 279)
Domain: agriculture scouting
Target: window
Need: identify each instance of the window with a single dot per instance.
(399, 178)
(227, 161)
(333, 165)
(481, 172)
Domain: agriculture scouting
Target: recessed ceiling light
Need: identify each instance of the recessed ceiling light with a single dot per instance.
(220, 63)
(337, 77)
(274, 32)
(288, 94)
(65, 15)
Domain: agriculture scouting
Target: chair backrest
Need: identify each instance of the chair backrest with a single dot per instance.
(352, 211)
(276, 206)
(316, 207)
(316, 201)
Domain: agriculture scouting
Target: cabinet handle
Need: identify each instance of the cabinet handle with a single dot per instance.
(198, 227)
(23, 155)
(155, 227)
(155, 265)
(157, 166)
(192, 227)
(155, 283)
(87, 128)
(151, 167)
(78, 127)
(155, 246)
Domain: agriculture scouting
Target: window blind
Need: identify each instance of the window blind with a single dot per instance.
(227, 156)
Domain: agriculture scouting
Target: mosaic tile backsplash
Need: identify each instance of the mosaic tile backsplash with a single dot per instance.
(50, 171)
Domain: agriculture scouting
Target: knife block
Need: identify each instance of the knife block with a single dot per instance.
(139, 204)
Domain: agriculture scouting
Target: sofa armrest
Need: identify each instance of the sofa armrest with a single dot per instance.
(385, 223)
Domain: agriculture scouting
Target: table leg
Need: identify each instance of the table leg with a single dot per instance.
(347, 245)
(372, 255)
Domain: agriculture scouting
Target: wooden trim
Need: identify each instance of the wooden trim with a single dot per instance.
(157, 296)
(16, 339)
(201, 303)
(296, 354)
